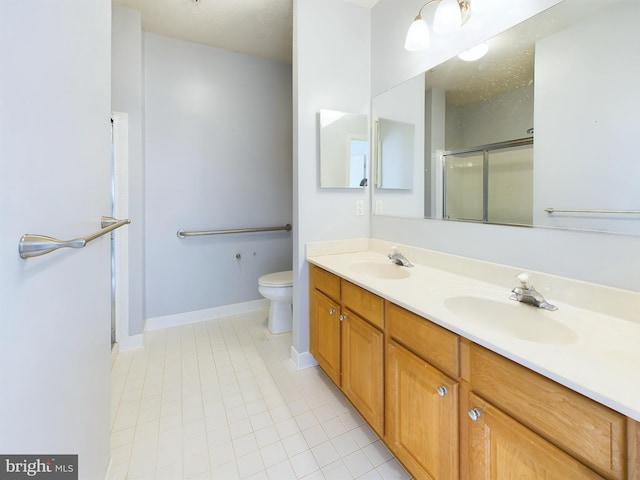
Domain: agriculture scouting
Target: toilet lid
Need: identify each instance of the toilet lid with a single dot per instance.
(277, 279)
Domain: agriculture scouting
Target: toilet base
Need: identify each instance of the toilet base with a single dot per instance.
(280, 317)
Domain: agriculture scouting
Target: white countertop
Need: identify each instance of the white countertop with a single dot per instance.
(591, 352)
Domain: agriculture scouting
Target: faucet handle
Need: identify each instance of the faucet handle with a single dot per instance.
(524, 279)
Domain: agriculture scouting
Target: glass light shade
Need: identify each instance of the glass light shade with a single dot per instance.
(448, 17)
(417, 36)
(474, 53)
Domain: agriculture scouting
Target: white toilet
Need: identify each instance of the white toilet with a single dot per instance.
(278, 289)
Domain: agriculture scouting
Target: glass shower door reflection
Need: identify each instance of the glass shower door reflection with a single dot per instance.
(492, 184)
(464, 186)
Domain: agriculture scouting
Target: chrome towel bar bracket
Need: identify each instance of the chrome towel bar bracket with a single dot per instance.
(32, 245)
(183, 234)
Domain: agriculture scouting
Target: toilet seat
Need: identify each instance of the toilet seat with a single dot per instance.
(277, 279)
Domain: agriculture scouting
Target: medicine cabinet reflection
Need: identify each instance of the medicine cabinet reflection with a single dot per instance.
(344, 149)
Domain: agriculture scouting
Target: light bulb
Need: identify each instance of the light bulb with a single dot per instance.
(417, 36)
(448, 17)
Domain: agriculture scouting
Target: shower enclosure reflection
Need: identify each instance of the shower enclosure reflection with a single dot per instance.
(492, 183)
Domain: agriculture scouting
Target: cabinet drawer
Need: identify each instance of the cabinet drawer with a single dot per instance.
(432, 343)
(591, 432)
(366, 304)
(326, 282)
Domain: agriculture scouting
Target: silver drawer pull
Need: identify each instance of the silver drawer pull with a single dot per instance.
(332, 311)
(442, 390)
(342, 317)
(474, 413)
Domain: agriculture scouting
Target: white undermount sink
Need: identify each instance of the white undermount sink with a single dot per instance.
(508, 317)
(382, 270)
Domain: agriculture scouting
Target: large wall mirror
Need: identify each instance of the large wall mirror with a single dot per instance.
(538, 132)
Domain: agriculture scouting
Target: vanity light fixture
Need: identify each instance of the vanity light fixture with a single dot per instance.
(450, 15)
(474, 53)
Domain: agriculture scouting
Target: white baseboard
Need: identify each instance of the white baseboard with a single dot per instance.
(166, 321)
(130, 343)
(302, 360)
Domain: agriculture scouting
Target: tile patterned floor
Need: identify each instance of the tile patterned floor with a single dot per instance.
(221, 400)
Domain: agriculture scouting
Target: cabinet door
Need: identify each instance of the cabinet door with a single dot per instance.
(422, 415)
(500, 448)
(324, 334)
(362, 368)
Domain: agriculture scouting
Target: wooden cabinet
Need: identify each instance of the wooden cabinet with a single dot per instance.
(324, 334)
(450, 409)
(527, 410)
(421, 401)
(346, 339)
(362, 368)
(421, 415)
(500, 448)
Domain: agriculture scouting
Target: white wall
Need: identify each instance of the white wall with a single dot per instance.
(54, 180)
(331, 70)
(603, 258)
(126, 97)
(593, 67)
(217, 155)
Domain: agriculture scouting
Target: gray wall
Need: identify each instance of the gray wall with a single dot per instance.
(217, 155)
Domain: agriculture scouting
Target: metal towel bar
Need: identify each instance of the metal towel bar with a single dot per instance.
(559, 210)
(183, 234)
(35, 245)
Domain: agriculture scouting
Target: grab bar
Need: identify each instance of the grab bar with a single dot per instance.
(559, 210)
(35, 245)
(183, 234)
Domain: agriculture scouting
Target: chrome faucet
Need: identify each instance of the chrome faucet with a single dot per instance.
(398, 258)
(526, 293)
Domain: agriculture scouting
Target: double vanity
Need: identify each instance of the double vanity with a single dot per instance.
(462, 382)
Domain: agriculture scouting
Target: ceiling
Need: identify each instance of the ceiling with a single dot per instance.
(261, 28)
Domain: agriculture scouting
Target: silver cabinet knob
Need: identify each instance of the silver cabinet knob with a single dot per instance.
(342, 317)
(442, 390)
(474, 413)
(332, 311)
